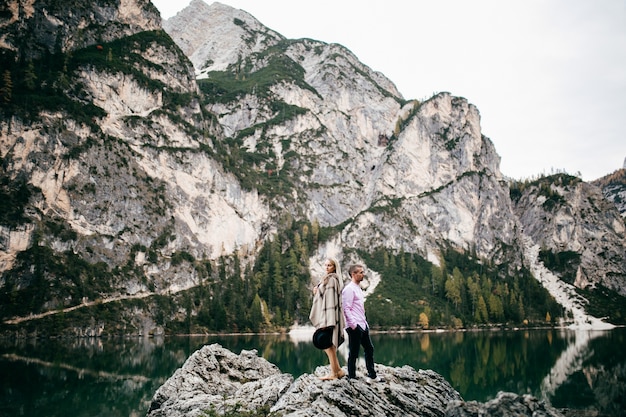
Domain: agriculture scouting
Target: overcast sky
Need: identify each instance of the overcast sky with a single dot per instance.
(548, 76)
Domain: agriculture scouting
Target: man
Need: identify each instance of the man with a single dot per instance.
(356, 325)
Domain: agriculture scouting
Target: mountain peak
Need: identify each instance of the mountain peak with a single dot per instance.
(215, 36)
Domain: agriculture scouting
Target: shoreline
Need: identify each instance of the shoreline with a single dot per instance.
(308, 331)
(300, 334)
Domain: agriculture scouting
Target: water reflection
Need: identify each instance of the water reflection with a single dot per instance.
(592, 370)
(476, 362)
(93, 377)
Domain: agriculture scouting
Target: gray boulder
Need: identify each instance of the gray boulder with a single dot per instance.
(215, 381)
(216, 378)
(405, 392)
(505, 404)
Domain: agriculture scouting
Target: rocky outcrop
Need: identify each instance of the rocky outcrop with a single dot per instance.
(563, 214)
(215, 379)
(614, 188)
(505, 404)
(33, 28)
(205, 32)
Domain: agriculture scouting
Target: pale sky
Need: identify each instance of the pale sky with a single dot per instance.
(548, 76)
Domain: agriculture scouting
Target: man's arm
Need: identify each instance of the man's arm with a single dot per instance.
(347, 300)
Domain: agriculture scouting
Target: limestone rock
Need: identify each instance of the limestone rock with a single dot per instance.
(216, 377)
(217, 380)
(614, 188)
(505, 404)
(45, 26)
(562, 213)
(405, 391)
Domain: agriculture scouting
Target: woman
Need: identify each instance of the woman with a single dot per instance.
(326, 311)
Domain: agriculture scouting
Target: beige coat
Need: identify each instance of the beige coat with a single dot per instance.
(326, 309)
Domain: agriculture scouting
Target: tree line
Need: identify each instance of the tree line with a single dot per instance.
(462, 291)
(271, 294)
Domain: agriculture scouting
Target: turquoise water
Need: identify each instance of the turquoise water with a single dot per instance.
(92, 377)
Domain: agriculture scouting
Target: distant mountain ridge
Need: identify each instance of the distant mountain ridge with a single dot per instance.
(614, 188)
(149, 184)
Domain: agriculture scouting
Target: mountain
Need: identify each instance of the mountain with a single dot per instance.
(374, 147)
(192, 179)
(614, 188)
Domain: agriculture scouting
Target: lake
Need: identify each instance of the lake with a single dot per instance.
(117, 377)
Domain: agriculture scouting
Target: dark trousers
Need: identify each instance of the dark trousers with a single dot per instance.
(356, 338)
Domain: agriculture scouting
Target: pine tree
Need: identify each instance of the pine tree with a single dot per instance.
(474, 292)
(481, 315)
(299, 247)
(402, 268)
(63, 80)
(218, 314)
(278, 285)
(315, 233)
(496, 310)
(29, 76)
(520, 308)
(453, 287)
(265, 279)
(6, 91)
(436, 274)
(256, 314)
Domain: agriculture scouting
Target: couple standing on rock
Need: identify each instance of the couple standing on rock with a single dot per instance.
(342, 307)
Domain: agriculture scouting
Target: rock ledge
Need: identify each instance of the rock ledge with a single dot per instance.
(216, 379)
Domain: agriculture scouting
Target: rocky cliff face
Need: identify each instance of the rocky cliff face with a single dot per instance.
(215, 379)
(143, 170)
(356, 153)
(563, 214)
(33, 28)
(129, 187)
(216, 36)
(614, 189)
(385, 160)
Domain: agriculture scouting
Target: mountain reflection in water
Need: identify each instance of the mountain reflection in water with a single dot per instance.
(88, 377)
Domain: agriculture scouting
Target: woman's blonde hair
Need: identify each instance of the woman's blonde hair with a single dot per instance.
(337, 268)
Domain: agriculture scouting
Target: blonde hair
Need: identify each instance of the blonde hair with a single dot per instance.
(337, 266)
(337, 270)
